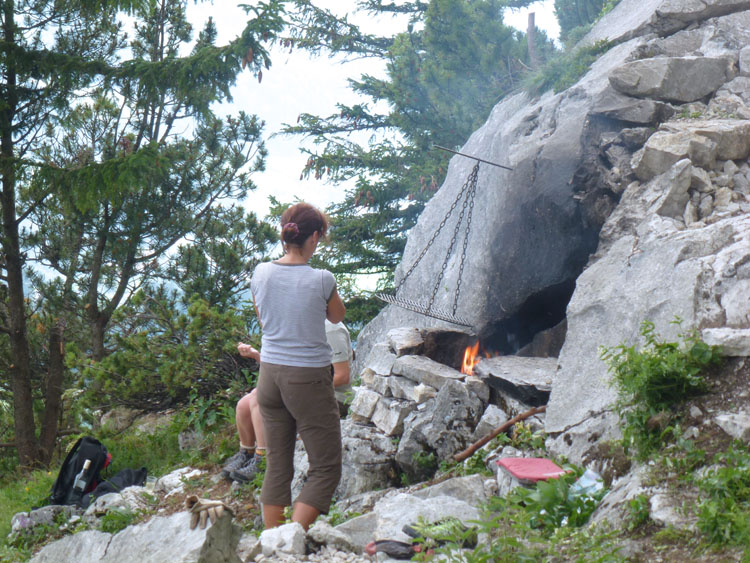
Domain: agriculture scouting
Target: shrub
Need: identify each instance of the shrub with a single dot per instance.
(564, 70)
(162, 354)
(639, 512)
(551, 503)
(724, 513)
(652, 381)
(114, 521)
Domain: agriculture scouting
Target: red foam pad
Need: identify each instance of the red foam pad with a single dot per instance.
(531, 468)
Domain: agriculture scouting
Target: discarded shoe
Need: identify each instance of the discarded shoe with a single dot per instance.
(392, 548)
(248, 471)
(448, 530)
(235, 462)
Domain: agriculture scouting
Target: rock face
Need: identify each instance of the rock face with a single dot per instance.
(160, 539)
(672, 79)
(530, 238)
(406, 420)
(603, 222)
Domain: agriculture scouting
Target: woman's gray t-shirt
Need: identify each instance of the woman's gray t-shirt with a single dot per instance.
(292, 300)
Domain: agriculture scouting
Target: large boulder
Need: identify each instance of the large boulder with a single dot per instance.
(160, 539)
(655, 270)
(672, 79)
(442, 428)
(637, 18)
(528, 380)
(528, 231)
(367, 461)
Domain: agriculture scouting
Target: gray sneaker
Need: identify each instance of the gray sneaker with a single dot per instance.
(235, 462)
(247, 472)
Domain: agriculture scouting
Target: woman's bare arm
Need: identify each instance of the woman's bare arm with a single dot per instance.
(336, 309)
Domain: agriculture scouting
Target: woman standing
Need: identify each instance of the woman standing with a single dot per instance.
(295, 388)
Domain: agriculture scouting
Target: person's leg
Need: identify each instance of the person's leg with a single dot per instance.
(245, 420)
(304, 514)
(308, 394)
(246, 453)
(281, 433)
(256, 422)
(273, 515)
(253, 464)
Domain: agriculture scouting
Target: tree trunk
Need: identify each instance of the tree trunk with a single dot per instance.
(98, 329)
(53, 394)
(20, 369)
(531, 40)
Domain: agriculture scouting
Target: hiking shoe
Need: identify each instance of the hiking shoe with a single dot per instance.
(392, 548)
(235, 462)
(447, 530)
(247, 472)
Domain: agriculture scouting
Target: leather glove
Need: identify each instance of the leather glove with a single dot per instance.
(203, 509)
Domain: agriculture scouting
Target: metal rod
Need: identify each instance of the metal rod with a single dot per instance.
(474, 157)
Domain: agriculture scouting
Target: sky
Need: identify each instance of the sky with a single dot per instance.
(298, 83)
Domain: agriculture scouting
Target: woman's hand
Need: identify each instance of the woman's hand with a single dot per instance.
(247, 351)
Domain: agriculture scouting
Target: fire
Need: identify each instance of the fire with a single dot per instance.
(471, 358)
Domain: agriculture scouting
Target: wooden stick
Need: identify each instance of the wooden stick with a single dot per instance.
(468, 452)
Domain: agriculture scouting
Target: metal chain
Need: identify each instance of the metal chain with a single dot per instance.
(471, 180)
(472, 183)
(472, 193)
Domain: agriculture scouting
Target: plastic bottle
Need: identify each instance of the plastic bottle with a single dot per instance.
(588, 484)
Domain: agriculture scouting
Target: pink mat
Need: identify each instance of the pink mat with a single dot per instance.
(531, 469)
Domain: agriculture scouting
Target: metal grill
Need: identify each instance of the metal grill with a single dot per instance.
(417, 307)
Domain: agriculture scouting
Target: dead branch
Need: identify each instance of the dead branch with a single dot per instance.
(468, 452)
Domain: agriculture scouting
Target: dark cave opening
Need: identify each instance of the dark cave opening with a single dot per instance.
(542, 311)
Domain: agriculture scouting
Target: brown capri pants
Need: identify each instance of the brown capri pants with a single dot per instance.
(300, 400)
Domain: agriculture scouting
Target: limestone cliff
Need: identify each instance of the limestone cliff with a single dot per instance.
(629, 199)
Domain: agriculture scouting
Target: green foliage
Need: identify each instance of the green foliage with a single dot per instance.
(575, 13)
(336, 516)
(204, 414)
(217, 261)
(112, 156)
(652, 381)
(19, 492)
(454, 61)
(724, 512)
(257, 481)
(162, 355)
(114, 521)
(158, 451)
(638, 512)
(425, 461)
(511, 538)
(551, 503)
(20, 546)
(523, 437)
(564, 70)
(685, 113)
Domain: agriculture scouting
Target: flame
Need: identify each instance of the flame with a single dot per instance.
(471, 358)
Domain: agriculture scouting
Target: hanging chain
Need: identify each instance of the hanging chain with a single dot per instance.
(472, 183)
(471, 195)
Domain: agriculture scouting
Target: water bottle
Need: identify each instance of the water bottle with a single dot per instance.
(588, 484)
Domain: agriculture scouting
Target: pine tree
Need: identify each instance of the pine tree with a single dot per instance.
(218, 260)
(575, 13)
(55, 57)
(454, 61)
